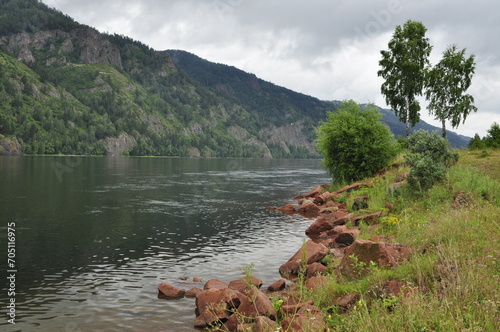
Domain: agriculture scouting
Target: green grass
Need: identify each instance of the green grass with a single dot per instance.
(452, 282)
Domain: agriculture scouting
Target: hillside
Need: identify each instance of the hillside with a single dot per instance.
(66, 88)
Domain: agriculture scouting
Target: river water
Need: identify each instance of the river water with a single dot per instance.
(95, 236)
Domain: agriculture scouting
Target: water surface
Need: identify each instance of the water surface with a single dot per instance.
(95, 236)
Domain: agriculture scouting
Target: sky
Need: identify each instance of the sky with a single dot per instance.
(329, 49)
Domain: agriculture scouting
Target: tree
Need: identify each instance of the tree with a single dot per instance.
(493, 137)
(446, 85)
(354, 142)
(403, 69)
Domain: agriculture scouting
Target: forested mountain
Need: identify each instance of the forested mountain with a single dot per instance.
(66, 88)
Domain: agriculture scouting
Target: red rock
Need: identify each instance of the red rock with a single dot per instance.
(309, 319)
(397, 288)
(215, 283)
(293, 308)
(256, 303)
(308, 206)
(196, 279)
(192, 292)
(166, 291)
(348, 301)
(322, 198)
(314, 192)
(319, 226)
(245, 283)
(315, 269)
(316, 283)
(350, 188)
(218, 298)
(344, 219)
(290, 268)
(368, 218)
(286, 208)
(210, 318)
(383, 254)
(298, 197)
(265, 324)
(277, 286)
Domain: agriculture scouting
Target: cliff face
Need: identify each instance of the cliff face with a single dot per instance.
(10, 146)
(85, 44)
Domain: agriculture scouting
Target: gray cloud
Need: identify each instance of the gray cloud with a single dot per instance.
(328, 49)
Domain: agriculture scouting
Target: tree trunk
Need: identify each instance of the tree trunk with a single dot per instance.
(443, 122)
(407, 123)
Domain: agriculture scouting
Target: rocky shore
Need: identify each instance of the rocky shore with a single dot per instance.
(332, 248)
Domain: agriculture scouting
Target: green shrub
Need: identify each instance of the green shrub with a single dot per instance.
(429, 157)
(354, 143)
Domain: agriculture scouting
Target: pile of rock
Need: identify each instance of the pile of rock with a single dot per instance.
(242, 306)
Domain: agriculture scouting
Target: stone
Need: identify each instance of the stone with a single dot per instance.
(352, 187)
(309, 318)
(196, 279)
(315, 269)
(316, 283)
(294, 308)
(360, 203)
(308, 206)
(348, 301)
(286, 208)
(166, 291)
(290, 268)
(318, 226)
(343, 219)
(314, 192)
(265, 324)
(276, 286)
(215, 283)
(210, 318)
(322, 198)
(368, 218)
(192, 292)
(256, 303)
(310, 251)
(382, 254)
(211, 299)
(245, 283)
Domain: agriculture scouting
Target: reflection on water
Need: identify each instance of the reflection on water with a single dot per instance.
(97, 235)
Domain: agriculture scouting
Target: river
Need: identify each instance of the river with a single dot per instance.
(95, 236)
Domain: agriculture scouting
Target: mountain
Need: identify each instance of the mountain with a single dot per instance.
(256, 94)
(65, 88)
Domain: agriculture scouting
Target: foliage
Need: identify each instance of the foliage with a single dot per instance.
(446, 84)
(403, 69)
(491, 141)
(354, 143)
(429, 157)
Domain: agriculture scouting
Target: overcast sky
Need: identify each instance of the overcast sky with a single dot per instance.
(328, 49)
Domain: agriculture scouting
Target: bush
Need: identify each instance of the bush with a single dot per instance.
(429, 157)
(354, 143)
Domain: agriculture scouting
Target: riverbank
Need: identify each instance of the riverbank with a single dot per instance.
(422, 263)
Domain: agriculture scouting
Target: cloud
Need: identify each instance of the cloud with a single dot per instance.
(327, 49)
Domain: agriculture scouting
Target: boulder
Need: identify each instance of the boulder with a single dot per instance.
(294, 308)
(166, 291)
(245, 283)
(311, 252)
(348, 301)
(287, 208)
(276, 286)
(315, 269)
(319, 226)
(265, 324)
(309, 318)
(316, 283)
(368, 218)
(225, 299)
(308, 206)
(322, 198)
(360, 203)
(382, 254)
(215, 283)
(255, 304)
(192, 292)
(314, 192)
(210, 318)
(349, 188)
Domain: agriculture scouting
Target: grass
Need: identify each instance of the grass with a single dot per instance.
(452, 282)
